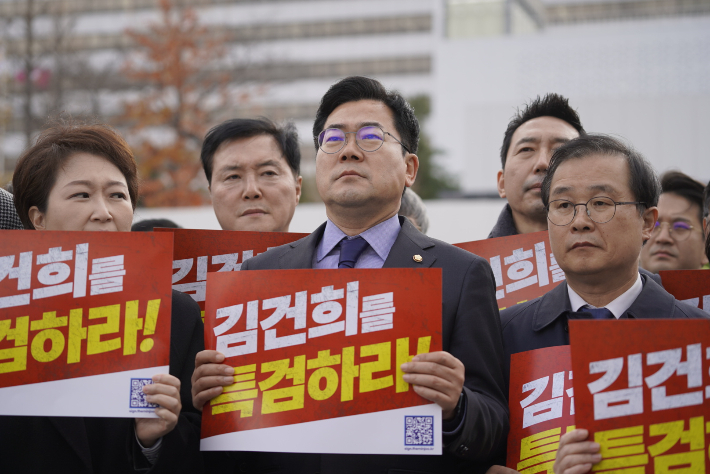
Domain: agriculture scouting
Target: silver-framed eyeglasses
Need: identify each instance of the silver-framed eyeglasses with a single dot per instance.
(369, 138)
(678, 231)
(600, 209)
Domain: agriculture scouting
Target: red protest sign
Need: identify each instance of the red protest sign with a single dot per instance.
(82, 317)
(523, 266)
(322, 348)
(198, 252)
(541, 407)
(690, 286)
(642, 389)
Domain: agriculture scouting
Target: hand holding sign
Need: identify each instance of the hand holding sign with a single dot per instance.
(305, 360)
(575, 454)
(438, 377)
(209, 377)
(164, 392)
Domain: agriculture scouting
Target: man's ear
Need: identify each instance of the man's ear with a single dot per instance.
(649, 217)
(411, 161)
(501, 183)
(37, 218)
(299, 184)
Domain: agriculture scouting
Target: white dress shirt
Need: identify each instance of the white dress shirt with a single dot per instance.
(618, 306)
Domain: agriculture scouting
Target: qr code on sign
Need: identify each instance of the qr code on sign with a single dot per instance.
(137, 396)
(419, 431)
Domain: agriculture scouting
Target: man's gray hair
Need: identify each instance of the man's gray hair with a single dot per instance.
(413, 208)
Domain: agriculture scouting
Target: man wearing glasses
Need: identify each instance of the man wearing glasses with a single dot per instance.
(601, 199)
(366, 139)
(677, 241)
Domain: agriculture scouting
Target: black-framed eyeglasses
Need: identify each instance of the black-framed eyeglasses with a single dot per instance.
(678, 231)
(369, 138)
(600, 209)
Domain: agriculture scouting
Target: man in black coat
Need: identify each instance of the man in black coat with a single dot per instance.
(531, 137)
(366, 139)
(601, 198)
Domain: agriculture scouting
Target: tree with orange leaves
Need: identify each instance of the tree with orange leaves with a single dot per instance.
(174, 65)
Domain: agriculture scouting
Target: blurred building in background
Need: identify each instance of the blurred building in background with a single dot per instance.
(636, 68)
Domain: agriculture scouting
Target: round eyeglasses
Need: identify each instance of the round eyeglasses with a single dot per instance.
(369, 138)
(678, 231)
(600, 209)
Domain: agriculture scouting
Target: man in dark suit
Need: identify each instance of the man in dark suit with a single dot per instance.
(366, 139)
(533, 134)
(601, 198)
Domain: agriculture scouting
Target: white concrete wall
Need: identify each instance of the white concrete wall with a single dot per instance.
(644, 80)
(452, 221)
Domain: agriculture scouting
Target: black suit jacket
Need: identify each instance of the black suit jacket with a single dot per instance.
(471, 332)
(542, 322)
(108, 445)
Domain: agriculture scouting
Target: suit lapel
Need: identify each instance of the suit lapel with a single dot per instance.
(411, 242)
(301, 253)
(73, 430)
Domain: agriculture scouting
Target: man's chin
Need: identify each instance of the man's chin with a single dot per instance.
(253, 223)
(655, 266)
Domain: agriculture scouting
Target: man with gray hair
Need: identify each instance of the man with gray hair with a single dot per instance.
(600, 197)
(414, 209)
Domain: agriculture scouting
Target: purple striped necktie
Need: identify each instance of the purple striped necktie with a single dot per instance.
(350, 251)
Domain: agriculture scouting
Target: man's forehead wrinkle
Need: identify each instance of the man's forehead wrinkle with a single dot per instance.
(342, 126)
(528, 140)
(270, 162)
(230, 167)
(560, 190)
(592, 187)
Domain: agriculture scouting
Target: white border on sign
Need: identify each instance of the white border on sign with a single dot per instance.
(382, 432)
(105, 395)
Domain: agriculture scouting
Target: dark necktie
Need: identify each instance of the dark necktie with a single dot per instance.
(350, 251)
(597, 313)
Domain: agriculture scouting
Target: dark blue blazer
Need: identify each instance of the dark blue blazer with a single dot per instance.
(542, 322)
(471, 332)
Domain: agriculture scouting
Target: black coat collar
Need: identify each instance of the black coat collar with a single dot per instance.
(652, 302)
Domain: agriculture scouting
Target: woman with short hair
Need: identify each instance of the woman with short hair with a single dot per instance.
(84, 177)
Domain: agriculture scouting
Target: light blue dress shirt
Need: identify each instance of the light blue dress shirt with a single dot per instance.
(380, 237)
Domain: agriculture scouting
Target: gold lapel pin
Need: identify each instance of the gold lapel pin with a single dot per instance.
(417, 258)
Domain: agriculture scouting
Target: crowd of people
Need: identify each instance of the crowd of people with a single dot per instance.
(612, 223)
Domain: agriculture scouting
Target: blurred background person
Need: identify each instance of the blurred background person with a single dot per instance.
(530, 140)
(83, 177)
(148, 225)
(252, 167)
(706, 209)
(677, 241)
(8, 215)
(414, 209)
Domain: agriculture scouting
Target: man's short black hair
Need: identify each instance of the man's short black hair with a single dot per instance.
(684, 186)
(706, 200)
(147, 225)
(286, 137)
(354, 88)
(551, 105)
(643, 181)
